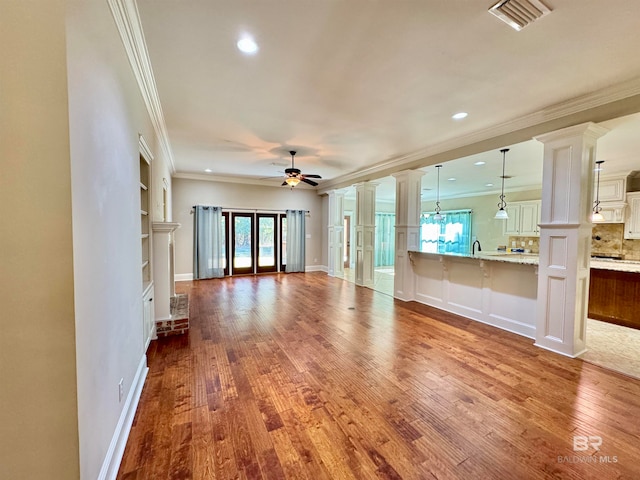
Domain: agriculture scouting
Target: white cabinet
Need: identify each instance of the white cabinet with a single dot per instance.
(612, 198)
(612, 212)
(511, 225)
(611, 189)
(632, 224)
(529, 218)
(523, 220)
(148, 317)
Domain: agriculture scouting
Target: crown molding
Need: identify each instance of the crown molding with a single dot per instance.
(127, 18)
(563, 110)
(241, 180)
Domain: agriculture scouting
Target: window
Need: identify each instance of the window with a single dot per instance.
(452, 234)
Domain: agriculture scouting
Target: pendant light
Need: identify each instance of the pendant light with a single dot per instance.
(438, 217)
(501, 214)
(597, 216)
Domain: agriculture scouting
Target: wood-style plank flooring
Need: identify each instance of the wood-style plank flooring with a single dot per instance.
(305, 376)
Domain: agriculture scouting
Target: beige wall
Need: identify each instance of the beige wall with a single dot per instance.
(37, 347)
(70, 261)
(187, 193)
(484, 226)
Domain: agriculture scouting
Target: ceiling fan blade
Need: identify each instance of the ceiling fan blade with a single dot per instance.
(283, 184)
(310, 182)
(312, 176)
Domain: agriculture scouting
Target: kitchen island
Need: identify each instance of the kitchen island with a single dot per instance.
(495, 288)
(500, 289)
(614, 292)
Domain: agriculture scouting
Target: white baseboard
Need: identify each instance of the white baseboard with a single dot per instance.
(187, 277)
(111, 463)
(316, 268)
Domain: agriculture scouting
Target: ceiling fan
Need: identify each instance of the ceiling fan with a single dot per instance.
(293, 176)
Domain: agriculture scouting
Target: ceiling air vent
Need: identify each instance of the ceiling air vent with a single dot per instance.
(519, 13)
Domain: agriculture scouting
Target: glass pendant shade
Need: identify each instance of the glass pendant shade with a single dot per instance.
(501, 214)
(597, 217)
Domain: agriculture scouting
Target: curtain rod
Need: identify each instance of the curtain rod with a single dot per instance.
(246, 210)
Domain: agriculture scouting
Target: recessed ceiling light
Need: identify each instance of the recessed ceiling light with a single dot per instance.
(479, 163)
(208, 170)
(451, 179)
(489, 185)
(247, 45)
(459, 115)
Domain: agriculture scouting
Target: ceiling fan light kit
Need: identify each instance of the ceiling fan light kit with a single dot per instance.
(294, 176)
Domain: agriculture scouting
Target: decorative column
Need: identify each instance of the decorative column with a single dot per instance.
(336, 233)
(565, 237)
(365, 232)
(408, 210)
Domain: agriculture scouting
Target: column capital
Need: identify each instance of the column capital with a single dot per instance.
(589, 129)
(337, 191)
(369, 185)
(408, 174)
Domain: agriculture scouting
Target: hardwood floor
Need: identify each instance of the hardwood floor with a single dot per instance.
(307, 376)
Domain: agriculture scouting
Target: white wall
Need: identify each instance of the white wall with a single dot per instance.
(69, 194)
(106, 114)
(187, 193)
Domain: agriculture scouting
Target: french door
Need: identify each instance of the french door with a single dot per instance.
(242, 251)
(255, 242)
(267, 242)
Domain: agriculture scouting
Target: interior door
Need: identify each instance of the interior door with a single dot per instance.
(243, 256)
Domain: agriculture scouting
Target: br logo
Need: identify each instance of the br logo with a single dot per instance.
(582, 443)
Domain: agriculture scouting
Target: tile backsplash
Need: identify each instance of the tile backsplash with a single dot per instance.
(606, 239)
(534, 247)
(631, 249)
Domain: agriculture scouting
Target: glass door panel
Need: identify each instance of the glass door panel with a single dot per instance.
(283, 243)
(267, 251)
(243, 258)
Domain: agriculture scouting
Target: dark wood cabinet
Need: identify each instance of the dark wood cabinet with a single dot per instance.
(614, 297)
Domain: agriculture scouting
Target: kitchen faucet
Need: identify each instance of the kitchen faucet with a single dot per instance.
(473, 247)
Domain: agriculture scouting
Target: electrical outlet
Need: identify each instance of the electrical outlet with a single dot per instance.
(530, 242)
(120, 389)
(522, 244)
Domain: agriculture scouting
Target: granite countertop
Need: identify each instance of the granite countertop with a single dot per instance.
(532, 259)
(520, 258)
(617, 265)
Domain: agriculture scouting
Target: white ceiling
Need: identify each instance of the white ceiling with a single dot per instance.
(355, 84)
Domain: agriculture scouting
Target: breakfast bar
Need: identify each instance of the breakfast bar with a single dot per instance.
(495, 288)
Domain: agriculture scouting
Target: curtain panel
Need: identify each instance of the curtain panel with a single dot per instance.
(208, 243)
(295, 241)
(385, 240)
